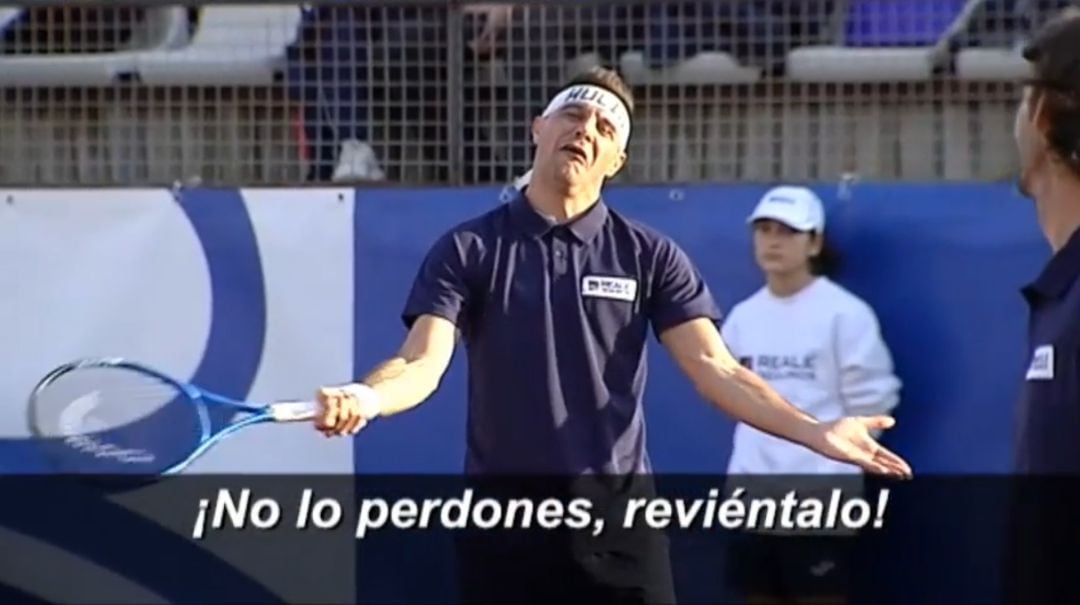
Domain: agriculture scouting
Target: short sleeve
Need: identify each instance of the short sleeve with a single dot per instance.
(679, 292)
(729, 332)
(440, 287)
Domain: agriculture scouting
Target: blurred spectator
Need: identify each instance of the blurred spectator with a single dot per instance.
(754, 32)
(355, 68)
(359, 69)
(351, 60)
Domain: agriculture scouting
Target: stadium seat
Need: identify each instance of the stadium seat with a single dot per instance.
(702, 68)
(234, 45)
(882, 42)
(163, 28)
(993, 64)
(835, 64)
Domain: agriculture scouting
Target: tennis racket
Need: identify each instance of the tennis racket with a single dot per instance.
(113, 416)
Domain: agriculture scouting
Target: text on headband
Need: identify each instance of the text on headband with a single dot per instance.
(607, 102)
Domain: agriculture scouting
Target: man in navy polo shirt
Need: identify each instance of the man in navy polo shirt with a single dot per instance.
(1048, 137)
(1045, 532)
(554, 295)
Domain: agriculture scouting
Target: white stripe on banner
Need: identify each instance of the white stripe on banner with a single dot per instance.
(88, 273)
(305, 241)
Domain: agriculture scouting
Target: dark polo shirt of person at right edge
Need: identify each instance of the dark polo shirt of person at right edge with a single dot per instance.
(1043, 552)
(1048, 439)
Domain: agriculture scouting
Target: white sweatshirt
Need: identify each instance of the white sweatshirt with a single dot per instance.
(822, 350)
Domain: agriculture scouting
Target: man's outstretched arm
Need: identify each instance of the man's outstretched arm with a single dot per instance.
(395, 385)
(700, 352)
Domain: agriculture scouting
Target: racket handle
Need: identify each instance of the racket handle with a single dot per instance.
(293, 411)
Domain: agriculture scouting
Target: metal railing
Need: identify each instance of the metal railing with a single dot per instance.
(433, 92)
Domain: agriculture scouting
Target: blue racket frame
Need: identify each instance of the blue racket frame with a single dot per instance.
(286, 411)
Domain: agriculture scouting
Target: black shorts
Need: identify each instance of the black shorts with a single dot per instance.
(790, 567)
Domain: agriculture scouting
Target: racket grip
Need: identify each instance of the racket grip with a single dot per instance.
(293, 411)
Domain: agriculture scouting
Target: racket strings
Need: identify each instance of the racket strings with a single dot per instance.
(112, 419)
(101, 400)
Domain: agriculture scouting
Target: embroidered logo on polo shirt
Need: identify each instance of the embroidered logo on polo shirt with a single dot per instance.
(1042, 364)
(615, 288)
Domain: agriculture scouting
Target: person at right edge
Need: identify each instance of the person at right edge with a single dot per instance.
(1040, 561)
(821, 347)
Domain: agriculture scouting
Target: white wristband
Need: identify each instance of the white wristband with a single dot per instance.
(368, 399)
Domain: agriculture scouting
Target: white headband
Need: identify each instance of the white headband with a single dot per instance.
(602, 99)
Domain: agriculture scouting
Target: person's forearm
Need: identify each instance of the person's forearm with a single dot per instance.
(749, 399)
(401, 384)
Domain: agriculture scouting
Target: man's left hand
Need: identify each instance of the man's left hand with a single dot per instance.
(850, 440)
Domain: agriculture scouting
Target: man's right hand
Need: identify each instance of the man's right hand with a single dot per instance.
(346, 409)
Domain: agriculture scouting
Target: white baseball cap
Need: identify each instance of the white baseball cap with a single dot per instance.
(797, 207)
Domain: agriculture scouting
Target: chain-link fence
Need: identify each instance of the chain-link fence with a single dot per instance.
(440, 92)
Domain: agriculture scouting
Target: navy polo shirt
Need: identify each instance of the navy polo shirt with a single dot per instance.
(1049, 414)
(554, 319)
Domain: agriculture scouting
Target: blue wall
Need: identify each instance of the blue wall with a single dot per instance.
(941, 264)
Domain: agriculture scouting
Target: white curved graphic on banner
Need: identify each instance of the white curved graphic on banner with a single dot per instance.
(91, 273)
(305, 241)
(124, 273)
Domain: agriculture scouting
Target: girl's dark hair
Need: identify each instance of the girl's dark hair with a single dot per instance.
(827, 261)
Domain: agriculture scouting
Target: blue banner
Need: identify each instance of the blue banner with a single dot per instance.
(941, 265)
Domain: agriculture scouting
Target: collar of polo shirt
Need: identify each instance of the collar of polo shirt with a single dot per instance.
(602, 99)
(533, 223)
(1059, 273)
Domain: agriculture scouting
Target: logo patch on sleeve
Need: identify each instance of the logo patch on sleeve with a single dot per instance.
(1042, 364)
(615, 288)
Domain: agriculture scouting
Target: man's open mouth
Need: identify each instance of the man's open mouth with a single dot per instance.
(576, 151)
